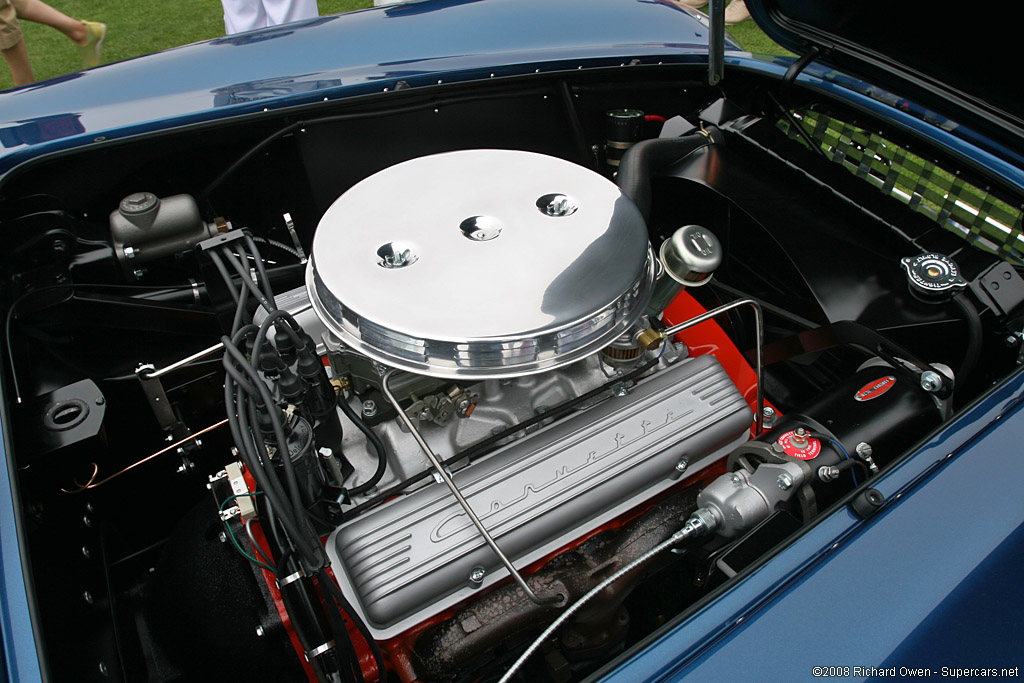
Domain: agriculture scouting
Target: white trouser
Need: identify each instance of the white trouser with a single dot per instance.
(246, 15)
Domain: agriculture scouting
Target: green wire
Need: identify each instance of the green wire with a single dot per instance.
(234, 540)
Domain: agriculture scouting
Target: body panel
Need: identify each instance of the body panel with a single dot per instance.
(361, 52)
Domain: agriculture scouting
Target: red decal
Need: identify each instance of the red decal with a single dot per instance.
(801, 447)
(875, 389)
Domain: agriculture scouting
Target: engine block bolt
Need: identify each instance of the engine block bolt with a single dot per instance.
(827, 473)
(223, 537)
(477, 575)
(259, 631)
(785, 481)
(931, 381)
(620, 390)
(87, 596)
(768, 416)
(682, 465)
(369, 408)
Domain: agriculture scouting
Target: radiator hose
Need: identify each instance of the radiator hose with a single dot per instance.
(643, 159)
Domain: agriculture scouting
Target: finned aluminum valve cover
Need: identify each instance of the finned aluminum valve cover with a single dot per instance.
(412, 558)
(480, 263)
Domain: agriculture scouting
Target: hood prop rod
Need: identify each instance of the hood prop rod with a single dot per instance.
(716, 42)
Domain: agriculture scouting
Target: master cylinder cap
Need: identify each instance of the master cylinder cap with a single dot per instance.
(480, 263)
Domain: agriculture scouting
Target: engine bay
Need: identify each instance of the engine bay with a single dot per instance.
(554, 362)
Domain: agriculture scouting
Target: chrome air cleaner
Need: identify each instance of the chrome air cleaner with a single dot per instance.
(480, 263)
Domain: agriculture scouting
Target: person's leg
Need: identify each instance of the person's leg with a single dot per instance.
(41, 13)
(287, 11)
(17, 61)
(12, 45)
(243, 15)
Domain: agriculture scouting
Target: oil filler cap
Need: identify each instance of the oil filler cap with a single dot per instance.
(932, 277)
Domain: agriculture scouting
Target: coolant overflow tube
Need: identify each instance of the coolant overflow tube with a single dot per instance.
(557, 599)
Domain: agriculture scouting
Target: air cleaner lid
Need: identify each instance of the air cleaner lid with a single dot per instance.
(480, 263)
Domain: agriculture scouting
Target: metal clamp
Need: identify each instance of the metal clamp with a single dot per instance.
(442, 472)
(759, 331)
(319, 650)
(291, 578)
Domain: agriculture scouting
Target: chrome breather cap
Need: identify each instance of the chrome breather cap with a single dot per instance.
(480, 263)
(691, 255)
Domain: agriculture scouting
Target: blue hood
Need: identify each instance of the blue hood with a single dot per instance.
(338, 56)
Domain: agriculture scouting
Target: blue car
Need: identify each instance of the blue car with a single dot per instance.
(462, 341)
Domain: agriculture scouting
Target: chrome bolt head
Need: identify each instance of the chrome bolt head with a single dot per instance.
(682, 465)
(477, 575)
(785, 481)
(931, 381)
(369, 408)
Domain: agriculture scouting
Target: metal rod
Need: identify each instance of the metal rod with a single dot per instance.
(198, 355)
(438, 465)
(759, 331)
(92, 483)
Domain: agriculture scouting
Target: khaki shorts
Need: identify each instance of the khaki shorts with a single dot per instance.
(10, 31)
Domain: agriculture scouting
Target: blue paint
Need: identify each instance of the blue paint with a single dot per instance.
(17, 647)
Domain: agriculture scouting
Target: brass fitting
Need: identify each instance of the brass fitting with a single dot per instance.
(650, 339)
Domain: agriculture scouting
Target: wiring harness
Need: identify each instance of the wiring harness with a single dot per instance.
(280, 405)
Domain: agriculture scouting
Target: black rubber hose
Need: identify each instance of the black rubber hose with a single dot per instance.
(371, 436)
(641, 161)
(973, 337)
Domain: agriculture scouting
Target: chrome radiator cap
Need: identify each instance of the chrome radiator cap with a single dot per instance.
(480, 263)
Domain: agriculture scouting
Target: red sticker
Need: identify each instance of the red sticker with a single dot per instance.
(800, 447)
(875, 389)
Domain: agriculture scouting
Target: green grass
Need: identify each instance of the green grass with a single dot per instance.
(134, 27)
(753, 39)
(138, 27)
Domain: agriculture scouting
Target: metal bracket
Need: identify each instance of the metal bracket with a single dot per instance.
(230, 513)
(161, 406)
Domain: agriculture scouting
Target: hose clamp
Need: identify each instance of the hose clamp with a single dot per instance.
(291, 578)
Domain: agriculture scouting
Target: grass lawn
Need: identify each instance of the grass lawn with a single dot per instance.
(138, 27)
